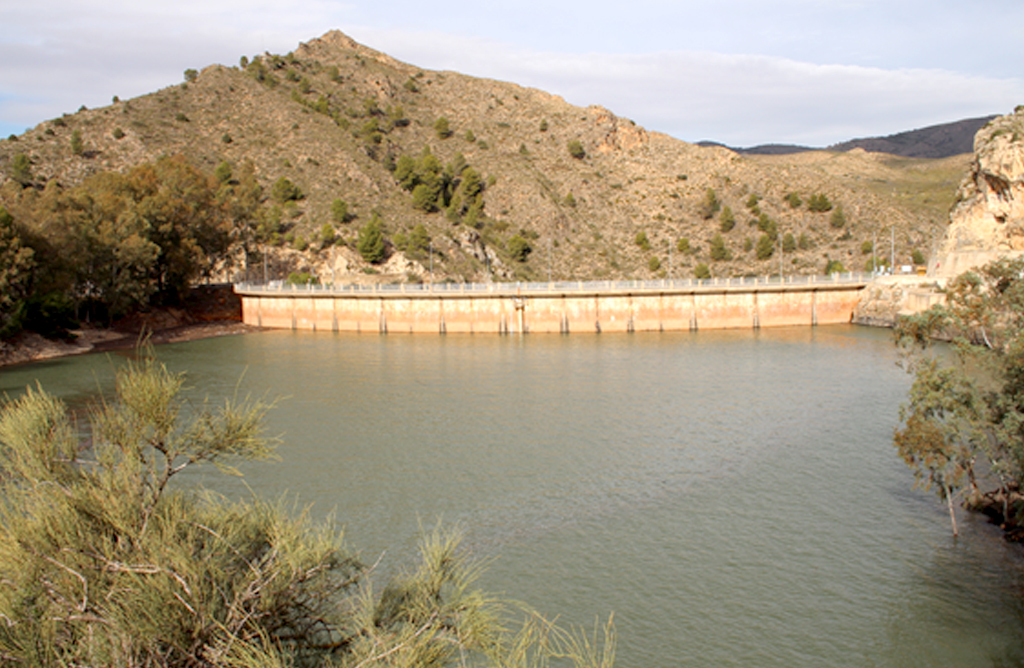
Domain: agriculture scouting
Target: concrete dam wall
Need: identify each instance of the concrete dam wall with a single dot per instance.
(605, 306)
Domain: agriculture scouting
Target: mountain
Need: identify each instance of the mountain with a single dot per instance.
(591, 194)
(935, 141)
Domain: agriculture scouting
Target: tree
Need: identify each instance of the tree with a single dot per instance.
(191, 75)
(371, 241)
(768, 226)
(701, 271)
(77, 146)
(819, 203)
(519, 248)
(719, 252)
(788, 243)
(105, 562)
(727, 219)
(16, 267)
(339, 211)
(21, 169)
(765, 247)
(710, 205)
(284, 190)
(968, 406)
(642, 241)
(419, 240)
(327, 235)
(833, 267)
(794, 200)
(576, 149)
(654, 264)
(683, 245)
(442, 129)
(223, 171)
(838, 218)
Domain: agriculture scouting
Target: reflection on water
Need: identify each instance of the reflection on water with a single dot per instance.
(732, 496)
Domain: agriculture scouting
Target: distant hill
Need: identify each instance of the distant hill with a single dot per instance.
(935, 141)
(594, 195)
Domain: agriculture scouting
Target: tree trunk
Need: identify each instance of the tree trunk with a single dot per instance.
(952, 512)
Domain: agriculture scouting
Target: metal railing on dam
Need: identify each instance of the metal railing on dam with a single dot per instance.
(849, 280)
(558, 306)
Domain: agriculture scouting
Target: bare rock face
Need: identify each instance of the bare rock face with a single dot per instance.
(987, 221)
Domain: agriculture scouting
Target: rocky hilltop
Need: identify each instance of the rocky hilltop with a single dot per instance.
(557, 190)
(987, 219)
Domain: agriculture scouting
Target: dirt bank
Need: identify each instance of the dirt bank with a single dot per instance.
(209, 311)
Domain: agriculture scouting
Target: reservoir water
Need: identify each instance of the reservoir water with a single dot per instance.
(733, 497)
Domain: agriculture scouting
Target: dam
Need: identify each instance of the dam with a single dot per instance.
(557, 307)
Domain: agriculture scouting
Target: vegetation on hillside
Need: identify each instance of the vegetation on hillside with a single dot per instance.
(337, 133)
(105, 560)
(963, 426)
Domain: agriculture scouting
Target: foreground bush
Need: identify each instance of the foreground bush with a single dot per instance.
(104, 561)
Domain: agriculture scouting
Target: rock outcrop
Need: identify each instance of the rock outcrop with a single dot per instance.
(889, 297)
(987, 221)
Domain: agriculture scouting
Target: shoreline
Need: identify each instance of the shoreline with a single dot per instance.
(30, 347)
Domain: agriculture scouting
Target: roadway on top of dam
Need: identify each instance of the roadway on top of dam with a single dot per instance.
(844, 281)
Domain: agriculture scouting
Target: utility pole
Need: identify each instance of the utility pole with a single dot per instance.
(892, 249)
(549, 259)
(781, 278)
(874, 255)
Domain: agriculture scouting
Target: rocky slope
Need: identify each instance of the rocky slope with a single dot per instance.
(335, 116)
(987, 220)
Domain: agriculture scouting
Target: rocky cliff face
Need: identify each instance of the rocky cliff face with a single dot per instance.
(987, 220)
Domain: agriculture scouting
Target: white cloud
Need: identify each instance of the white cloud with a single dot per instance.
(63, 55)
(737, 99)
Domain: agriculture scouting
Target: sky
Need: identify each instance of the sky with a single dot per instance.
(741, 72)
